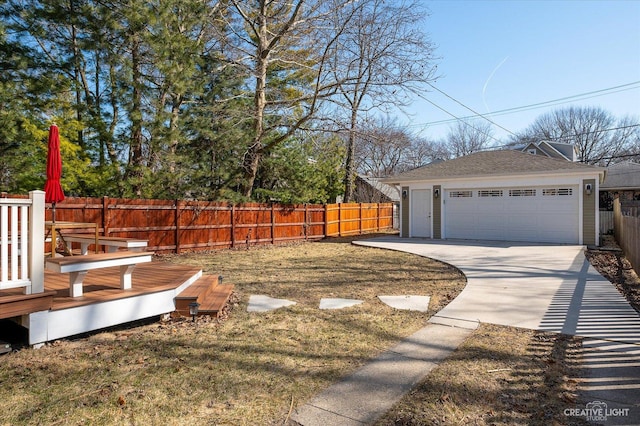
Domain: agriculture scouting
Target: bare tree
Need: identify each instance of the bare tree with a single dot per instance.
(383, 148)
(284, 46)
(423, 152)
(466, 137)
(382, 56)
(597, 135)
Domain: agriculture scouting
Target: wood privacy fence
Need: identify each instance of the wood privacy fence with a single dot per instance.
(177, 226)
(627, 230)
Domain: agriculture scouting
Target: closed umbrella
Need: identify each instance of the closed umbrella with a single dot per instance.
(52, 188)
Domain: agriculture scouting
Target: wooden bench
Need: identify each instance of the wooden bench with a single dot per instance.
(78, 266)
(112, 243)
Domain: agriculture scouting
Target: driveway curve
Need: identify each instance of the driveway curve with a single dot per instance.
(542, 287)
(549, 288)
(536, 286)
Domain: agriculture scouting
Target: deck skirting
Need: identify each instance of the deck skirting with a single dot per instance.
(72, 316)
(51, 325)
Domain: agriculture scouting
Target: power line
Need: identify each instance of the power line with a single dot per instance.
(575, 135)
(581, 96)
(468, 124)
(470, 109)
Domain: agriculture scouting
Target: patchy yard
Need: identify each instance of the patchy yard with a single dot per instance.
(253, 368)
(505, 375)
(248, 369)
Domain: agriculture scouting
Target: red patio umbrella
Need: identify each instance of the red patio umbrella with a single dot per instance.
(52, 188)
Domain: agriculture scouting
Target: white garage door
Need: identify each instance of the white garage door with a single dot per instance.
(537, 214)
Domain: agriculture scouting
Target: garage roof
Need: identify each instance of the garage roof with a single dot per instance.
(492, 163)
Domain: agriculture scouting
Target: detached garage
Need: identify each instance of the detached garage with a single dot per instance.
(501, 195)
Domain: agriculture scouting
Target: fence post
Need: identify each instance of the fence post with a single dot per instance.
(36, 243)
(233, 226)
(105, 216)
(305, 225)
(326, 220)
(177, 225)
(273, 223)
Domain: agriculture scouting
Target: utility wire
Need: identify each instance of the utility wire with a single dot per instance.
(468, 124)
(472, 110)
(630, 126)
(586, 95)
(575, 135)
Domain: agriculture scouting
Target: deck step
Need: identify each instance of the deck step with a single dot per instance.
(216, 300)
(203, 284)
(211, 296)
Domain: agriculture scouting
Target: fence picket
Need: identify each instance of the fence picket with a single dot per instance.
(627, 231)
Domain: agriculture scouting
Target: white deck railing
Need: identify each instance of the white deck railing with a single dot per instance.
(22, 243)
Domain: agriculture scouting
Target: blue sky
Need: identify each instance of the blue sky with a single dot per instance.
(497, 55)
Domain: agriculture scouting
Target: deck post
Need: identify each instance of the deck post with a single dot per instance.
(125, 276)
(36, 241)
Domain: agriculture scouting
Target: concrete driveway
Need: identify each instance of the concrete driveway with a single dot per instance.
(550, 288)
(536, 286)
(542, 287)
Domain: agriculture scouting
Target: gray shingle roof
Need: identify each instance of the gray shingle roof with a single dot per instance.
(388, 190)
(492, 163)
(622, 175)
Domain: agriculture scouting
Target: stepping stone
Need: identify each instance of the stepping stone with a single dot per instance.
(338, 303)
(262, 303)
(408, 302)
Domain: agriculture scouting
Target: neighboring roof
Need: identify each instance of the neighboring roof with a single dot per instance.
(625, 175)
(389, 191)
(493, 163)
(560, 150)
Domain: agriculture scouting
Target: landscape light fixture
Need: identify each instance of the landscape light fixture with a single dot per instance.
(193, 310)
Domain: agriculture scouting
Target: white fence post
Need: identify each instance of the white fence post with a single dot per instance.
(36, 241)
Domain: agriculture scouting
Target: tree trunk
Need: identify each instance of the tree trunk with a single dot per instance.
(136, 160)
(253, 155)
(350, 168)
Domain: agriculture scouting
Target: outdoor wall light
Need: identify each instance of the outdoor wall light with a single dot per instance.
(436, 193)
(193, 310)
(404, 194)
(587, 189)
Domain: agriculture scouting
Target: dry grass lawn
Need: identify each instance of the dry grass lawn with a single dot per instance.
(248, 369)
(498, 376)
(253, 368)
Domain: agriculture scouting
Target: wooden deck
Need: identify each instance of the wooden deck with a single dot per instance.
(103, 285)
(154, 288)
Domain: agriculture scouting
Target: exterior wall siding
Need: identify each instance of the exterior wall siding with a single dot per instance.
(404, 209)
(436, 207)
(589, 204)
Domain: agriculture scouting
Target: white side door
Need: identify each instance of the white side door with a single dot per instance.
(421, 213)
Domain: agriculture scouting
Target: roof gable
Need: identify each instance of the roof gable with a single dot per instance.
(493, 163)
(563, 151)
